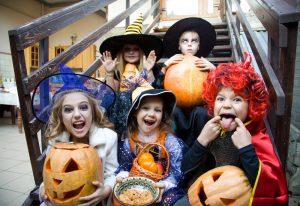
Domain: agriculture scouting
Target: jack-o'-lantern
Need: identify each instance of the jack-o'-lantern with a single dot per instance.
(185, 80)
(222, 186)
(69, 171)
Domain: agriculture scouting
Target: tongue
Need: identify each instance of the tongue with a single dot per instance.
(226, 122)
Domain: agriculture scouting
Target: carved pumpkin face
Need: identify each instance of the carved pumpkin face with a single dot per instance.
(68, 172)
(186, 82)
(222, 186)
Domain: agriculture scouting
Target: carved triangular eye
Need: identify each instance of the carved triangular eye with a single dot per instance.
(216, 176)
(56, 182)
(71, 166)
(48, 166)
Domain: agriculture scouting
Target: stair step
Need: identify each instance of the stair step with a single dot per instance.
(222, 48)
(221, 31)
(220, 25)
(222, 39)
(218, 60)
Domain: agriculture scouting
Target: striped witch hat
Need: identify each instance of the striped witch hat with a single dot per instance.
(136, 27)
(133, 35)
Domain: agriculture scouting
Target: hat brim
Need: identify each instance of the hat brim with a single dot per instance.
(204, 29)
(48, 89)
(146, 42)
(166, 95)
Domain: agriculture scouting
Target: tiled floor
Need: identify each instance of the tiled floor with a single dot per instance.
(16, 179)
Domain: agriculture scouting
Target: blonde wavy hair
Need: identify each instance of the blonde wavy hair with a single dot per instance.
(55, 124)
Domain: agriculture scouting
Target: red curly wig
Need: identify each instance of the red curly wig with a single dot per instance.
(244, 81)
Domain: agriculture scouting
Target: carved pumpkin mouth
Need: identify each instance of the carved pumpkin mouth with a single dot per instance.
(68, 195)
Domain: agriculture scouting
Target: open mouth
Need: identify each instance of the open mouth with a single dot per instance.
(227, 120)
(149, 122)
(78, 125)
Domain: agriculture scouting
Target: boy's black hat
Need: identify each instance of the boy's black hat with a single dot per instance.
(204, 29)
(141, 92)
(133, 35)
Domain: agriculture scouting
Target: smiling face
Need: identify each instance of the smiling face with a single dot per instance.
(149, 115)
(131, 53)
(189, 43)
(229, 105)
(77, 115)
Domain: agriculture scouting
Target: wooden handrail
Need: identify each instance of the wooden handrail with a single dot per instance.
(44, 26)
(271, 80)
(273, 15)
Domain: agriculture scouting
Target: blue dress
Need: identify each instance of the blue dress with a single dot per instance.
(176, 148)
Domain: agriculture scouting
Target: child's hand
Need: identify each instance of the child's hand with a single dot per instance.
(45, 198)
(210, 131)
(174, 59)
(204, 65)
(100, 194)
(107, 62)
(150, 61)
(241, 137)
(161, 187)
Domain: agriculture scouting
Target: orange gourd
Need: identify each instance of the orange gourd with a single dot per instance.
(185, 80)
(68, 171)
(226, 185)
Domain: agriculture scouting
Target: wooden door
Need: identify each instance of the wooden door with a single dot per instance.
(178, 9)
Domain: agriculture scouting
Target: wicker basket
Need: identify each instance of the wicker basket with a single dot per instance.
(137, 170)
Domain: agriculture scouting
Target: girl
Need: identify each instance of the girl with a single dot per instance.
(75, 116)
(126, 66)
(189, 36)
(236, 135)
(149, 121)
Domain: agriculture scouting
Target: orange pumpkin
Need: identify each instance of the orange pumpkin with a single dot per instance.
(68, 171)
(226, 185)
(186, 82)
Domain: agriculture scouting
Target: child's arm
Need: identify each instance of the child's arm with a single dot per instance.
(197, 152)
(125, 159)
(176, 148)
(147, 72)
(109, 64)
(172, 60)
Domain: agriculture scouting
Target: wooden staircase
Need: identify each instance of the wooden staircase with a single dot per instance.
(277, 68)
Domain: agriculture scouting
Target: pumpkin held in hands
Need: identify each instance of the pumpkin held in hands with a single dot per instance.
(69, 171)
(222, 186)
(185, 80)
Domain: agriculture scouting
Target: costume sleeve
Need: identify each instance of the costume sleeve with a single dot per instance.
(111, 160)
(270, 186)
(159, 77)
(250, 162)
(175, 148)
(193, 158)
(126, 157)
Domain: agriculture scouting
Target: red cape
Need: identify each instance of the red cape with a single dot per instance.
(270, 187)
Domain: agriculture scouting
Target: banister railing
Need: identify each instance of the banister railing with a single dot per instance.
(277, 67)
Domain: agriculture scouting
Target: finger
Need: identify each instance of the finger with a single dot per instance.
(119, 179)
(97, 183)
(160, 185)
(215, 119)
(239, 123)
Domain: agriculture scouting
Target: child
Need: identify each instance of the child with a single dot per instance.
(236, 135)
(196, 37)
(149, 121)
(75, 116)
(127, 67)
